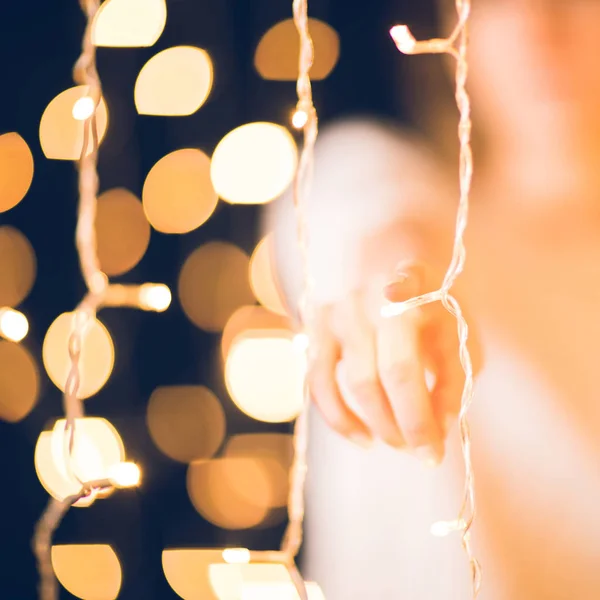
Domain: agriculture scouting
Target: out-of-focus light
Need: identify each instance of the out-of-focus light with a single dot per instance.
(277, 53)
(186, 423)
(178, 193)
(61, 133)
(17, 266)
(83, 109)
(97, 355)
(262, 276)
(300, 341)
(279, 591)
(299, 119)
(186, 571)
(236, 556)
(231, 493)
(155, 296)
(129, 23)
(228, 581)
(19, 382)
(254, 163)
(13, 324)
(122, 231)
(213, 284)
(124, 475)
(16, 174)
(90, 571)
(174, 82)
(265, 376)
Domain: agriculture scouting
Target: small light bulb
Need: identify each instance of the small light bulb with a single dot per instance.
(13, 324)
(403, 38)
(155, 296)
(124, 475)
(236, 556)
(445, 528)
(299, 119)
(83, 109)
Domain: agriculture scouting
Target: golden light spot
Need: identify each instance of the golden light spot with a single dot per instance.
(88, 571)
(123, 233)
(61, 133)
(83, 109)
(178, 194)
(129, 23)
(13, 324)
(155, 296)
(19, 382)
(254, 163)
(277, 53)
(231, 581)
(186, 570)
(213, 283)
(186, 422)
(16, 170)
(17, 266)
(279, 591)
(174, 82)
(264, 374)
(262, 276)
(232, 493)
(254, 318)
(97, 450)
(299, 119)
(277, 453)
(97, 355)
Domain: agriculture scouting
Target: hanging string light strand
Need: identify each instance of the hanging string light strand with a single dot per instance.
(455, 45)
(99, 293)
(293, 536)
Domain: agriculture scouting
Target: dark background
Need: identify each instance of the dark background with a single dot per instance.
(39, 42)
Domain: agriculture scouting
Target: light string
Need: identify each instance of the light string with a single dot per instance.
(99, 293)
(292, 539)
(455, 45)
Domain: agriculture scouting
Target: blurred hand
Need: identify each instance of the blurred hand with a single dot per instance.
(385, 394)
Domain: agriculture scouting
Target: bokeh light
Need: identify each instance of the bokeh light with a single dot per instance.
(231, 493)
(122, 231)
(13, 324)
(264, 374)
(279, 591)
(19, 382)
(186, 422)
(174, 82)
(61, 134)
(97, 449)
(17, 266)
(129, 23)
(299, 119)
(186, 570)
(255, 318)
(262, 276)
(88, 571)
(155, 296)
(229, 581)
(97, 355)
(124, 474)
(275, 450)
(178, 194)
(277, 53)
(213, 283)
(83, 109)
(254, 163)
(16, 170)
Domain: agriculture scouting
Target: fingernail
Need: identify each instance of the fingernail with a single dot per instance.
(361, 440)
(428, 455)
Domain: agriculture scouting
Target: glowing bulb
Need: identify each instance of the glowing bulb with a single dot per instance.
(403, 38)
(445, 528)
(299, 119)
(13, 324)
(236, 556)
(83, 109)
(124, 475)
(155, 296)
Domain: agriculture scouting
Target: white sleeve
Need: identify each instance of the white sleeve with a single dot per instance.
(367, 175)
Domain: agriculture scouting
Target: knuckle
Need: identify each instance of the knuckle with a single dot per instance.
(417, 433)
(364, 390)
(399, 373)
